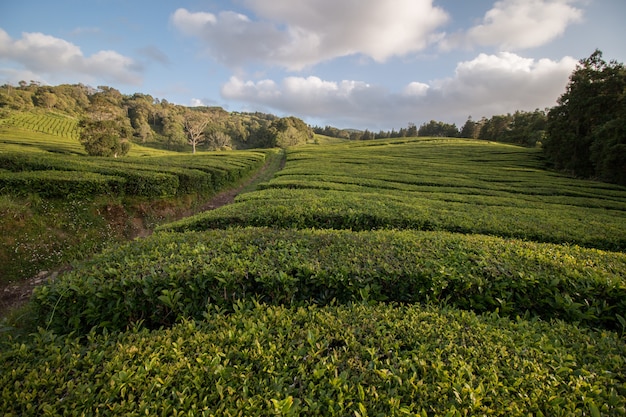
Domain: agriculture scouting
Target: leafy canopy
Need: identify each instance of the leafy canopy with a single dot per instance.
(586, 132)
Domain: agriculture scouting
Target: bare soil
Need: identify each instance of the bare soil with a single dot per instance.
(16, 294)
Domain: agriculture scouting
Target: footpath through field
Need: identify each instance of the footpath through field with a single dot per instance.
(16, 294)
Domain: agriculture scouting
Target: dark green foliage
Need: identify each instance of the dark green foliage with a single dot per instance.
(168, 276)
(103, 138)
(521, 128)
(586, 133)
(438, 129)
(335, 361)
(60, 184)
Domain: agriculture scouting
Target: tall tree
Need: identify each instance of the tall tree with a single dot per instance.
(469, 129)
(195, 122)
(586, 133)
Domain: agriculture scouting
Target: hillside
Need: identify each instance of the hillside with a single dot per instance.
(416, 276)
(58, 204)
(141, 119)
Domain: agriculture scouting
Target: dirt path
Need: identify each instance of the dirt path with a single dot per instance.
(16, 294)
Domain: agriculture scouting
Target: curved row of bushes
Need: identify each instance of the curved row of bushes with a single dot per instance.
(167, 276)
(148, 177)
(331, 209)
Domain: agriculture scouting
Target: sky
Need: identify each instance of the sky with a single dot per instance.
(364, 64)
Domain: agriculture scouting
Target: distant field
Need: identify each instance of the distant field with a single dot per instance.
(54, 124)
(49, 132)
(430, 184)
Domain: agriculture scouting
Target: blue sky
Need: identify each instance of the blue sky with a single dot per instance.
(347, 63)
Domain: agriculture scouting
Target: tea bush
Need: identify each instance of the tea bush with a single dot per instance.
(354, 360)
(168, 276)
(148, 177)
(60, 184)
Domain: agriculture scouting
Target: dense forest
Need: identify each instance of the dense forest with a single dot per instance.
(111, 121)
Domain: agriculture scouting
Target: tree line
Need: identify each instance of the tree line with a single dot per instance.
(111, 121)
(522, 128)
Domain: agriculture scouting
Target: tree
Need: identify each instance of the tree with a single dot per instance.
(44, 98)
(469, 129)
(439, 129)
(218, 140)
(290, 131)
(585, 133)
(173, 130)
(411, 130)
(104, 137)
(195, 122)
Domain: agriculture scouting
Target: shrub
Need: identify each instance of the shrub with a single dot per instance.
(335, 361)
(168, 276)
(60, 184)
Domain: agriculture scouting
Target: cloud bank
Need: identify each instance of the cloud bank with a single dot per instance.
(518, 24)
(488, 84)
(295, 34)
(51, 58)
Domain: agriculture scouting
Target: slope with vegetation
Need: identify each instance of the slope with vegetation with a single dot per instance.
(416, 276)
(277, 305)
(58, 204)
(111, 122)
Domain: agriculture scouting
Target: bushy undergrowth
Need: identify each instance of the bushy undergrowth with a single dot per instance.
(168, 276)
(353, 360)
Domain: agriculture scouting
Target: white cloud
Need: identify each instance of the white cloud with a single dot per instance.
(298, 33)
(48, 57)
(519, 24)
(484, 86)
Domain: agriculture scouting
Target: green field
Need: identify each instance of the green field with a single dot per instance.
(427, 277)
(51, 132)
(430, 184)
(52, 123)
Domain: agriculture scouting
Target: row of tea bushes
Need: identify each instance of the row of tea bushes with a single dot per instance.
(51, 123)
(148, 177)
(171, 275)
(60, 184)
(453, 185)
(358, 360)
(333, 209)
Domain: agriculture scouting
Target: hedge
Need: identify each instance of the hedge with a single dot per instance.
(162, 278)
(60, 184)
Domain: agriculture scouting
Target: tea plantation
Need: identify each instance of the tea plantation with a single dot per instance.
(58, 204)
(426, 277)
